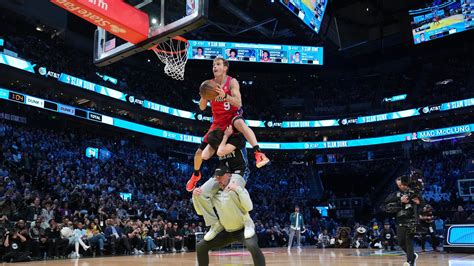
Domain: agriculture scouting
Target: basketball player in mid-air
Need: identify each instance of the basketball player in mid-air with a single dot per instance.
(233, 156)
(226, 111)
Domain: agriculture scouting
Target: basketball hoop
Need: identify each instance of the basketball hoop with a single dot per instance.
(174, 54)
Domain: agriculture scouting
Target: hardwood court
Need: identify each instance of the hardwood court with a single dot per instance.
(277, 256)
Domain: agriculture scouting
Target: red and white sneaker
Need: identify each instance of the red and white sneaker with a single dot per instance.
(261, 159)
(191, 185)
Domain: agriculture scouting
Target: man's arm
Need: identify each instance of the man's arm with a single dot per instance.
(244, 197)
(236, 98)
(226, 148)
(202, 104)
(392, 198)
(21, 237)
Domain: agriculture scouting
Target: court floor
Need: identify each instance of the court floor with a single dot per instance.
(276, 256)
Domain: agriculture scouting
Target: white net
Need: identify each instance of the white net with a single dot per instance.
(173, 53)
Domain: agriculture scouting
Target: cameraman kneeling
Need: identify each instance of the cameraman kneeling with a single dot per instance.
(405, 201)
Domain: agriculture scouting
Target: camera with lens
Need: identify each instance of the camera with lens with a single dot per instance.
(415, 183)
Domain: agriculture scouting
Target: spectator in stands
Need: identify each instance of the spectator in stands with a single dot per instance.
(116, 237)
(57, 246)
(47, 212)
(439, 226)
(360, 239)
(34, 210)
(96, 238)
(37, 235)
(186, 232)
(343, 238)
(388, 236)
(177, 239)
(78, 238)
(324, 239)
(460, 216)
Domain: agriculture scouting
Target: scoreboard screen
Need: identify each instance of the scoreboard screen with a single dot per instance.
(311, 12)
(252, 52)
(441, 18)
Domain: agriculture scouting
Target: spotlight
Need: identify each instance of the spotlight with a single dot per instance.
(154, 21)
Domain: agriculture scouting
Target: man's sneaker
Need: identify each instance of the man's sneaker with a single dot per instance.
(173, 250)
(249, 230)
(416, 257)
(213, 231)
(261, 159)
(192, 182)
(406, 264)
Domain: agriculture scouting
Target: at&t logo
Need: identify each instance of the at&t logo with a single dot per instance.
(42, 71)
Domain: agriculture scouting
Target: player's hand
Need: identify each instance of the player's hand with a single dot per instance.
(404, 199)
(220, 91)
(232, 186)
(229, 131)
(197, 191)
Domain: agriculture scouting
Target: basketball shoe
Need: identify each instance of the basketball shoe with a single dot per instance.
(249, 230)
(261, 159)
(213, 231)
(191, 184)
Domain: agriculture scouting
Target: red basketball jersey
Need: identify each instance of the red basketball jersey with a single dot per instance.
(222, 110)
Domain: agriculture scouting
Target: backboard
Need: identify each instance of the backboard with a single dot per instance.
(167, 19)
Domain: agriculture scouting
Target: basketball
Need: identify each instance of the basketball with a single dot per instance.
(206, 90)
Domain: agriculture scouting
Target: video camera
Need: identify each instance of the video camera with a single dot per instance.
(414, 181)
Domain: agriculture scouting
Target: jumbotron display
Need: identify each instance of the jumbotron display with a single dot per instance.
(441, 18)
(252, 52)
(311, 12)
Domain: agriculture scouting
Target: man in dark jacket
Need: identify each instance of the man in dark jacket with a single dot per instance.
(115, 237)
(406, 203)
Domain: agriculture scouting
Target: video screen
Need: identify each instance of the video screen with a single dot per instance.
(311, 12)
(323, 210)
(440, 18)
(253, 52)
(126, 196)
(92, 152)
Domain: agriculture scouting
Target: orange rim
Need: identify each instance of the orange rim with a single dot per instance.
(177, 38)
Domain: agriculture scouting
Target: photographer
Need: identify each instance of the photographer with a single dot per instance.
(405, 203)
(16, 247)
(427, 227)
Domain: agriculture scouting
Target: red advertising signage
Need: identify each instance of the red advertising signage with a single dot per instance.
(115, 16)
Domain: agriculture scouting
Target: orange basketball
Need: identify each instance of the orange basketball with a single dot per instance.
(206, 90)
